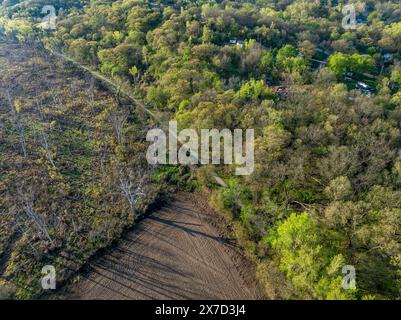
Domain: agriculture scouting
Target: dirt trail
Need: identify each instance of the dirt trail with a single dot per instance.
(176, 253)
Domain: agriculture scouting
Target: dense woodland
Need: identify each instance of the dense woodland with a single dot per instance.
(326, 189)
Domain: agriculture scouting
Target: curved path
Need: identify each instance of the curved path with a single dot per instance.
(176, 253)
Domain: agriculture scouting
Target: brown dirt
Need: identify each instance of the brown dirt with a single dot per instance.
(179, 252)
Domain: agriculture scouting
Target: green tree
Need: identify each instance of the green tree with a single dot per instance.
(391, 37)
(340, 63)
(254, 90)
(82, 50)
(312, 268)
(285, 53)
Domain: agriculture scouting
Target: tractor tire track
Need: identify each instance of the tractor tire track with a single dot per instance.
(176, 253)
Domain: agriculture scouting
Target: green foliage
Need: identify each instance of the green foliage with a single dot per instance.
(120, 61)
(340, 63)
(391, 39)
(285, 53)
(82, 50)
(233, 197)
(311, 267)
(254, 90)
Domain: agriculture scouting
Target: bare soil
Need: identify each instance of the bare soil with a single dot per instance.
(182, 251)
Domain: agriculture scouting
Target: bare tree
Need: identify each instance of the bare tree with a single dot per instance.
(57, 102)
(27, 205)
(129, 190)
(118, 121)
(91, 89)
(19, 126)
(44, 142)
(43, 138)
(35, 251)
